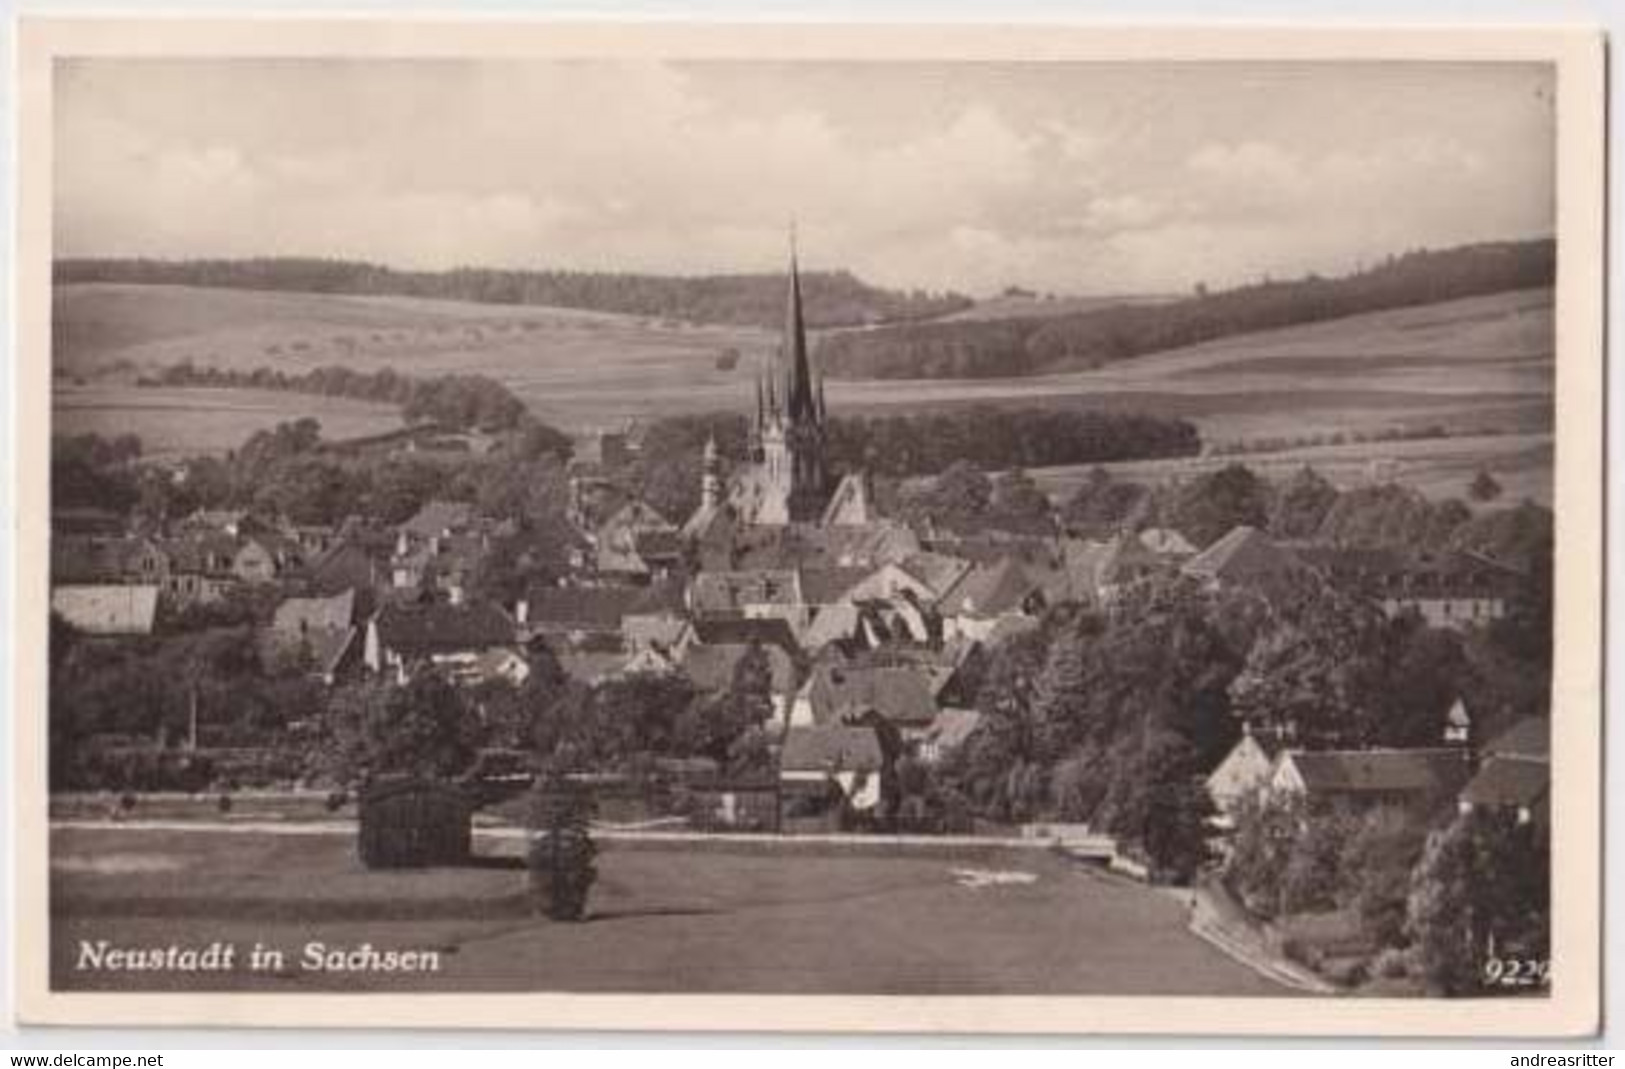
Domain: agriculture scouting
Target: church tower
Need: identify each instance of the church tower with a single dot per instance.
(790, 426)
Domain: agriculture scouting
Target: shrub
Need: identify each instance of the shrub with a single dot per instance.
(561, 856)
(414, 823)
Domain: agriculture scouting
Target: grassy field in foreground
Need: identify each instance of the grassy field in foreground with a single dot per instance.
(660, 921)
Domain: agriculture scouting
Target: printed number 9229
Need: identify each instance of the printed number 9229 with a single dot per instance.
(1517, 972)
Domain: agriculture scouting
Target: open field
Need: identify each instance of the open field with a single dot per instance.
(176, 422)
(1481, 367)
(661, 920)
(1439, 467)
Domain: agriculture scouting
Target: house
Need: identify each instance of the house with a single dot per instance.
(838, 693)
(765, 593)
(1515, 774)
(637, 544)
(712, 669)
(591, 666)
(1244, 772)
(573, 615)
(437, 519)
(1449, 588)
(317, 631)
(851, 760)
(1246, 558)
(948, 732)
(853, 502)
(742, 631)
(346, 565)
(1417, 779)
(111, 609)
(402, 639)
(986, 594)
(1100, 571)
(261, 558)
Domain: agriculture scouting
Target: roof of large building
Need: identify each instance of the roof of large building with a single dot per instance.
(1244, 555)
(739, 630)
(831, 748)
(421, 630)
(903, 694)
(1509, 782)
(937, 571)
(989, 590)
(712, 667)
(439, 517)
(113, 609)
(1530, 737)
(726, 592)
(827, 585)
(582, 608)
(1419, 771)
(298, 615)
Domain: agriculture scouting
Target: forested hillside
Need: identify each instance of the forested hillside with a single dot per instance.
(832, 298)
(996, 348)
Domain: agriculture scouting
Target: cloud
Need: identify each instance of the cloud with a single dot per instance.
(963, 177)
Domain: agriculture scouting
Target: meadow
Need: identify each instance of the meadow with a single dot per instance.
(660, 920)
(174, 422)
(1481, 368)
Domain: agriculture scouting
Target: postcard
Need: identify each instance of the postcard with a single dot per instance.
(809, 527)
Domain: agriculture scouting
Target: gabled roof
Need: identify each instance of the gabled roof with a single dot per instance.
(712, 667)
(726, 592)
(326, 647)
(1530, 737)
(937, 571)
(116, 609)
(831, 748)
(581, 608)
(834, 623)
(438, 517)
(989, 590)
(1244, 555)
(590, 666)
(826, 585)
(1354, 772)
(903, 694)
(421, 630)
(952, 727)
(730, 630)
(298, 615)
(1509, 782)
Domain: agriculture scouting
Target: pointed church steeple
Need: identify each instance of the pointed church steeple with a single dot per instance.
(798, 401)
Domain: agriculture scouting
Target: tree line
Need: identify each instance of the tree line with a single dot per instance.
(1029, 346)
(832, 298)
(464, 402)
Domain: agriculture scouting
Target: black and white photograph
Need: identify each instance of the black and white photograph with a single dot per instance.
(818, 523)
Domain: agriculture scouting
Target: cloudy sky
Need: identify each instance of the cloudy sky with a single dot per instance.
(1062, 177)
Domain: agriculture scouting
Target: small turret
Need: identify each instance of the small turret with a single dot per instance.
(711, 478)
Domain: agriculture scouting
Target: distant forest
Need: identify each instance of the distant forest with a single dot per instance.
(465, 402)
(832, 298)
(999, 347)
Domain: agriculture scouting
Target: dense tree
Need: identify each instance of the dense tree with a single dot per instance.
(1300, 505)
(427, 729)
(997, 348)
(1210, 505)
(832, 297)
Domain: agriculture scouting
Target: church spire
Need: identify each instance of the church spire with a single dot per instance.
(798, 401)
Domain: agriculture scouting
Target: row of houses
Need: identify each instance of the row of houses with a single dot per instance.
(1509, 773)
